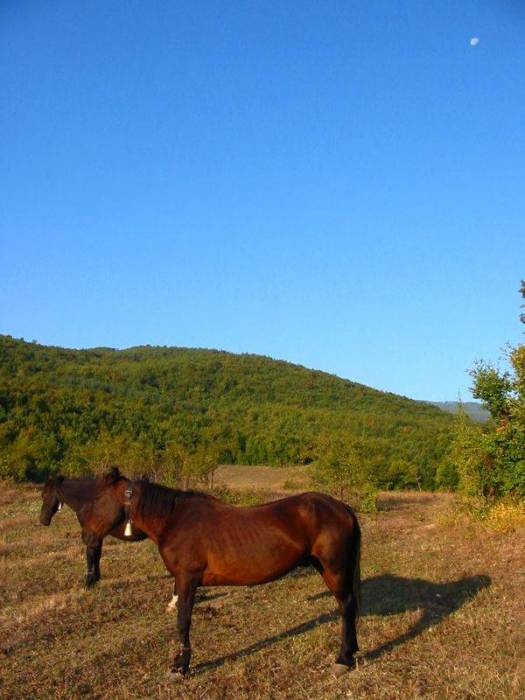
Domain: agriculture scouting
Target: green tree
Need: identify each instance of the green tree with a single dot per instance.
(492, 463)
(341, 470)
(470, 459)
(493, 387)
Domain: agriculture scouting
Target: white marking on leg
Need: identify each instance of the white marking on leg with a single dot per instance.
(172, 604)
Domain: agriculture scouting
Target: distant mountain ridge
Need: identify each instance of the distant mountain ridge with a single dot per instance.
(473, 409)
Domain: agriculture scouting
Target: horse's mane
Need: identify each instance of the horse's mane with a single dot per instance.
(157, 501)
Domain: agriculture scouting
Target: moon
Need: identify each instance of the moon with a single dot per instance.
(474, 41)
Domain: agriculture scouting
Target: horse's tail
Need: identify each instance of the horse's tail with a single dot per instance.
(356, 562)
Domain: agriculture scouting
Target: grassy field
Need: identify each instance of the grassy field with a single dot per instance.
(277, 480)
(443, 616)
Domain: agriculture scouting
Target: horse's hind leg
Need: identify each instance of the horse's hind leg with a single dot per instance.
(337, 584)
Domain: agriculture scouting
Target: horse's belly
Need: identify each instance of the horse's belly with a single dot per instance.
(248, 571)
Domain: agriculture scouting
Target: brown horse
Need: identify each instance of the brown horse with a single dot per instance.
(97, 514)
(205, 542)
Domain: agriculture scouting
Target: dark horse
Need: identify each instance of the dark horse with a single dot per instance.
(98, 514)
(204, 541)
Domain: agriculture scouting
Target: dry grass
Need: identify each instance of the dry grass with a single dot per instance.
(443, 616)
(506, 517)
(275, 479)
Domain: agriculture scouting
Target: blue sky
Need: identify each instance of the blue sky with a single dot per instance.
(337, 184)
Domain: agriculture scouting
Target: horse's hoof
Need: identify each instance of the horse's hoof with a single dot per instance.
(90, 582)
(342, 666)
(173, 675)
(339, 669)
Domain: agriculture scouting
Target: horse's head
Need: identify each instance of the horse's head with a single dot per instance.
(50, 499)
(112, 477)
(111, 487)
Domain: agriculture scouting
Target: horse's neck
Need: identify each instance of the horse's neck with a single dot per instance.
(75, 494)
(153, 524)
(153, 527)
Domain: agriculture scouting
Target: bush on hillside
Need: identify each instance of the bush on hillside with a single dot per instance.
(491, 460)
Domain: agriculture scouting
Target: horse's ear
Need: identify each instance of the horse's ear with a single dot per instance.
(112, 476)
(144, 477)
(59, 479)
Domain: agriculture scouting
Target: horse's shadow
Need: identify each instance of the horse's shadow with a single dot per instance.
(383, 595)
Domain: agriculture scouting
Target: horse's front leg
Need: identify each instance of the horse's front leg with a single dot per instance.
(96, 560)
(172, 605)
(186, 585)
(93, 553)
(93, 564)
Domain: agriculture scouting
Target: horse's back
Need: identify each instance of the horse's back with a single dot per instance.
(306, 510)
(299, 519)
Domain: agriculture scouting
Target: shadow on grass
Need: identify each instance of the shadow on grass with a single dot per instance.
(205, 596)
(383, 595)
(391, 595)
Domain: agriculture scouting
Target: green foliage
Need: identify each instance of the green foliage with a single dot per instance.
(338, 466)
(447, 477)
(469, 458)
(342, 470)
(492, 387)
(367, 500)
(491, 462)
(178, 412)
(243, 497)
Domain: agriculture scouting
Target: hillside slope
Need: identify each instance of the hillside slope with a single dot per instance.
(59, 407)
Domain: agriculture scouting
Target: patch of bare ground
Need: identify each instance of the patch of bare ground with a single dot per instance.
(442, 616)
(278, 480)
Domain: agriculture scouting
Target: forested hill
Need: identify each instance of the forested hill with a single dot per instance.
(66, 409)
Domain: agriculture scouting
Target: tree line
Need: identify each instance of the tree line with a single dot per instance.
(178, 412)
